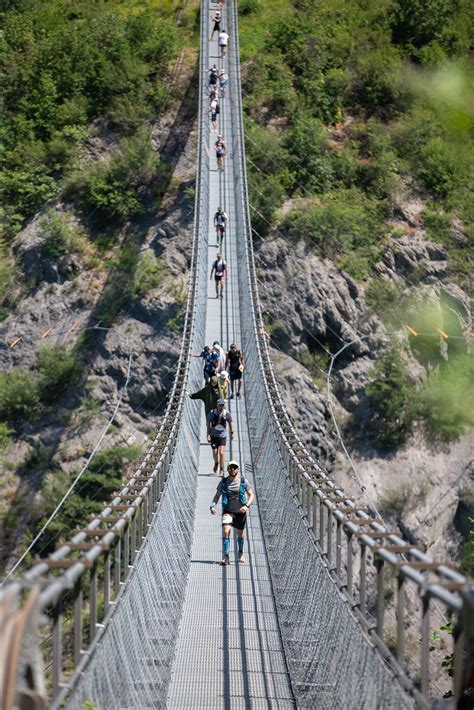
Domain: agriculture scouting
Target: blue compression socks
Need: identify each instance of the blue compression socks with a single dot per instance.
(226, 545)
(240, 542)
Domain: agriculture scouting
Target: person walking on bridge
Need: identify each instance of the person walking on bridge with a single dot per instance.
(209, 394)
(221, 151)
(219, 269)
(211, 362)
(223, 41)
(217, 421)
(237, 497)
(216, 19)
(235, 364)
(220, 223)
(214, 110)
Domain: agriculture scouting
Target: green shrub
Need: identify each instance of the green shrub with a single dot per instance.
(438, 225)
(150, 273)
(377, 167)
(247, 7)
(380, 296)
(57, 234)
(5, 435)
(113, 189)
(392, 400)
(344, 224)
(308, 160)
(270, 83)
(64, 68)
(8, 280)
(445, 399)
(19, 395)
(266, 193)
(59, 369)
(467, 561)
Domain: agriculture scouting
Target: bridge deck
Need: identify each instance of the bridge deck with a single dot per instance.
(229, 651)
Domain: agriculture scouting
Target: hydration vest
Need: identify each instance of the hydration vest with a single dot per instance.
(242, 492)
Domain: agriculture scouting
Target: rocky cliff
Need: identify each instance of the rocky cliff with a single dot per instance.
(313, 309)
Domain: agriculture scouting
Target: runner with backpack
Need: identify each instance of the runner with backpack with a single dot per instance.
(219, 269)
(235, 364)
(221, 151)
(213, 78)
(220, 223)
(214, 110)
(217, 421)
(237, 497)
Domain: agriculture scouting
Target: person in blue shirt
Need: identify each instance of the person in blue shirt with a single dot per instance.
(211, 362)
(237, 497)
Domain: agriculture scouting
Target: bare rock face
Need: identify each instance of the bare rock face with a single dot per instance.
(323, 308)
(313, 310)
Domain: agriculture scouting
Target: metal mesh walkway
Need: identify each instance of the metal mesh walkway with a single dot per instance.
(229, 651)
(273, 633)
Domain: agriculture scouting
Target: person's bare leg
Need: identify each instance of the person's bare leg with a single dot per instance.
(241, 542)
(226, 530)
(222, 457)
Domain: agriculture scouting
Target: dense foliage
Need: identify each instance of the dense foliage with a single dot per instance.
(65, 65)
(370, 96)
(353, 108)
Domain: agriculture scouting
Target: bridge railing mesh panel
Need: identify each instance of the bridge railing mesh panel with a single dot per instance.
(331, 661)
(130, 666)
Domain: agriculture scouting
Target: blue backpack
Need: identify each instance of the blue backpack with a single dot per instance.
(242, 492)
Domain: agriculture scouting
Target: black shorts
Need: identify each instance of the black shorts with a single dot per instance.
(218, 277)
(213, 116)
(217, 26)
(235, 375)
(217, 441)
(238, 519)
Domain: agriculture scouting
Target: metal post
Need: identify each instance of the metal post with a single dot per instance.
(106, 582)
(309, 502)
(350, 566)
(57, 648)
(133, 538)
(363, 578)
(322, 509)
(315, 500)
(401, 619)
(126, 552)
(93, 603)
(329, 530)
(78, 602)
(425, 644)
(379, 564)
(117, 563)
(338, 549)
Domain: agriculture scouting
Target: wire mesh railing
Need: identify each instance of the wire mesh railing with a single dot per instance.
(110, 598)
(328, 557)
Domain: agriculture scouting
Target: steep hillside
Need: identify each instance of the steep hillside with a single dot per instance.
(359, 135)
(99, 188)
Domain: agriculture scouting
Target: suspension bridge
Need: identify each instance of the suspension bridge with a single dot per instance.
(135, 612)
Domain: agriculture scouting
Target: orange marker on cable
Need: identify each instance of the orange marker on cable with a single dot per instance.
(15, 342)
(410, 330)
(441, 332)
(46, 333)
(74, 326)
